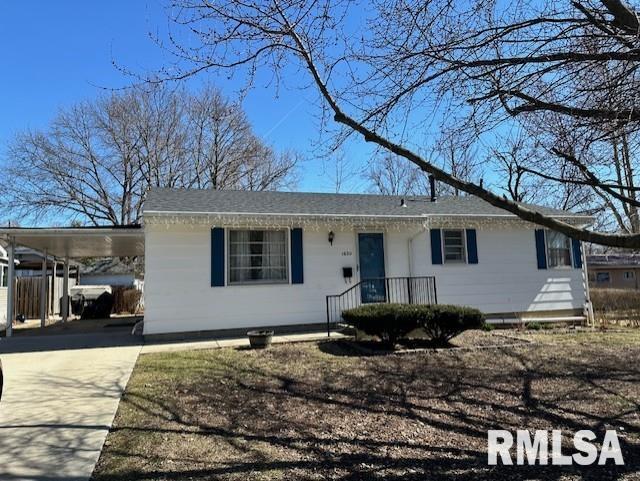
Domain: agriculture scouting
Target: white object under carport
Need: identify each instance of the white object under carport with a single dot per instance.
(68, 243)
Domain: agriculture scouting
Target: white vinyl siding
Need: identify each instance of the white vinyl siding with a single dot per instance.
(178, 297)
(507, 280)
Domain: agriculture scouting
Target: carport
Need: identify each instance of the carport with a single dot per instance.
(65, 243)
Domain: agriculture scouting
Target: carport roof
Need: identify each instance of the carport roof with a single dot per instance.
(74, 242)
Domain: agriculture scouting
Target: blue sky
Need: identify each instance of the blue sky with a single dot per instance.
(55, 53)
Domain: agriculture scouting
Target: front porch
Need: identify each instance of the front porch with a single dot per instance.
(396, 290)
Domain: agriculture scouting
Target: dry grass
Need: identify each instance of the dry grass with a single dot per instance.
(318, 411)
(619, 306)
(126, 300)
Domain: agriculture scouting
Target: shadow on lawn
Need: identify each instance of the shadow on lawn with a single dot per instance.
(392, 418)
(351, 348)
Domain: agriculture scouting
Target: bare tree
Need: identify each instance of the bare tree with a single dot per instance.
(97, 160)
(514, 177)
(390, 175)
(460, 158)
(486, 60)
(551, 176)
(223, 150)
(339, 169)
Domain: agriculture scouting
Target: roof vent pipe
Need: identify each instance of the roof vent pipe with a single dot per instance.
(432, 187)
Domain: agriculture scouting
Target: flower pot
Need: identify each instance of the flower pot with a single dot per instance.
(260, 339)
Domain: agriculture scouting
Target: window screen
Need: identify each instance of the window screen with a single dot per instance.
(453, 245)
(257, 256)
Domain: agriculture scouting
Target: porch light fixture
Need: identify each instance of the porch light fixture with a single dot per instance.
(331, 237)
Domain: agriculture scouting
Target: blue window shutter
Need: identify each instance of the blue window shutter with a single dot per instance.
(436, 246)
(297, 269)
(472, 246)
(217, 257)
(541, 251)
(577, 253)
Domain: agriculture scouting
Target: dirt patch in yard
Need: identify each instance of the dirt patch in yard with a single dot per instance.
(474, 339)
(298, 412)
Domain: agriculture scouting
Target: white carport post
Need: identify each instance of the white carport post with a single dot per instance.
(54, 291)
(11, 286)
(43, 290)
(65, 291)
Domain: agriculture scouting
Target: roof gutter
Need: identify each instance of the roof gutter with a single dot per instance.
(382, 216)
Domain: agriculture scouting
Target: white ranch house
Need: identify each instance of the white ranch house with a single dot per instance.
(229, 260)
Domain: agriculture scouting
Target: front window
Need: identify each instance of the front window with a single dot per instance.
(558, 249)
(258, 256)
(4, 276)
(629, 275)
(454, 248)
(603, 278)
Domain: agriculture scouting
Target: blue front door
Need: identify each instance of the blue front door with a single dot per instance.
(371, 256)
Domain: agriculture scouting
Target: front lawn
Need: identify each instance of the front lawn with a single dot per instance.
(318, 411)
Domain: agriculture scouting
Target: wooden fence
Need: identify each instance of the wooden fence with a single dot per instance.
(28, 296)
(27, 303)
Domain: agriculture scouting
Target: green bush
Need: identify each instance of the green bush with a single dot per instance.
(391, 322)
(444, 322)
(488, 327)
(534, 326)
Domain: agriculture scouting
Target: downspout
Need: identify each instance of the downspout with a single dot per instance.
(587, 293)
(410, 249)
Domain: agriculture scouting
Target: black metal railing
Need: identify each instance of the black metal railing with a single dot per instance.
(400, 290)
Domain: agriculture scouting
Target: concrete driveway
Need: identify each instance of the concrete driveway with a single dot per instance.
(60, 396)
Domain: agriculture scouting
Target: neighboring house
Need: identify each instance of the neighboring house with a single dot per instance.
(4, 267)
(617, 271)
(232, 259)
(110, 271)
(29, 264)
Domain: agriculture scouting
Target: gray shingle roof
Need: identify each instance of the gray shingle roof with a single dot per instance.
(108, 265)
(304, 203)
(613, 260)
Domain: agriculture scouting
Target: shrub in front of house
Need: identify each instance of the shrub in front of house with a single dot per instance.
(388, 322)
(391, 322)
(444, 322)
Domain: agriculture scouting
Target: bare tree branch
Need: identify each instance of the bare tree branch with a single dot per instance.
(97, 160)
